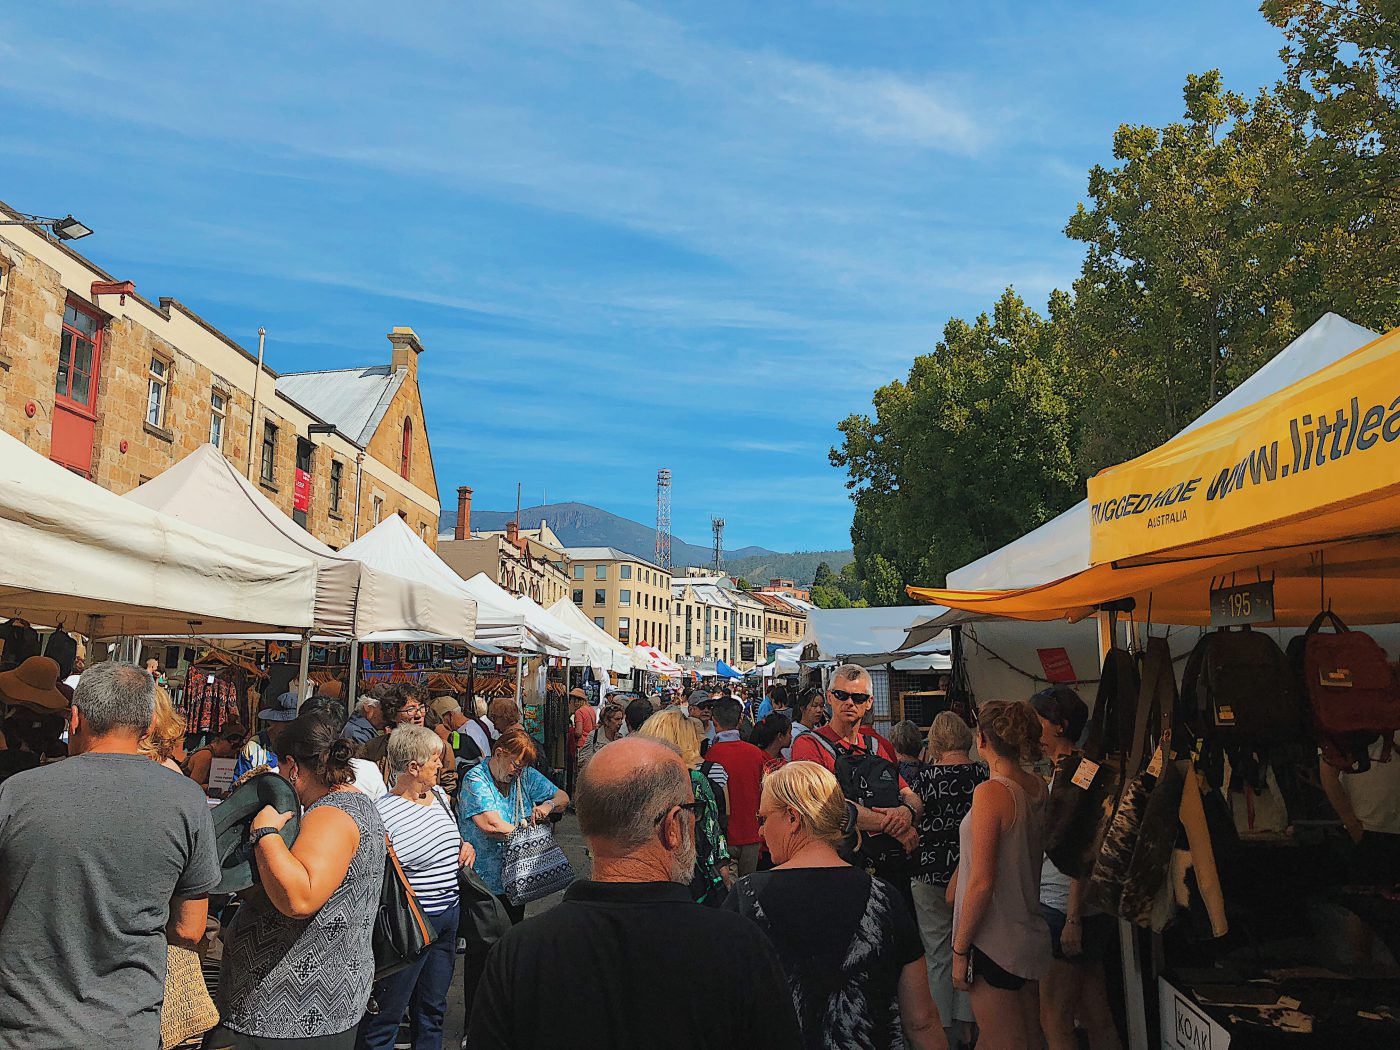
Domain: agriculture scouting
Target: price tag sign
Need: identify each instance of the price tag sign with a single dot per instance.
(1247, 603)
(221, 775)
(1084, 775)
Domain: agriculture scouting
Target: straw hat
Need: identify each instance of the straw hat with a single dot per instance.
(34, 684)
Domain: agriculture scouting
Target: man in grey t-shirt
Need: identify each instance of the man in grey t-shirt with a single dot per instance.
(104, 857)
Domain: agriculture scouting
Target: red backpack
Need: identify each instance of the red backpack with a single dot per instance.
(1353, 694)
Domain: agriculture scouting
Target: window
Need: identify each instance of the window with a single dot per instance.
(4, 284)
(406, 453)
(624, 572)
(624, 597)
(269, 454)
(218, 413)
(624, 629)
(377, 508)
(679, 634)
(423, 531)
(600, 572)
(578, 572)
(78, 352)
(337, 477)
(598, 621)
(157, 380)
(578, 596)
(600, 597)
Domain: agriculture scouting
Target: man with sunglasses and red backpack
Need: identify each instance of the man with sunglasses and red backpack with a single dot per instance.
(886, 809)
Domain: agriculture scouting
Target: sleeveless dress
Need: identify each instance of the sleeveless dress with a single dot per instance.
(1012, 933)
(285, 978)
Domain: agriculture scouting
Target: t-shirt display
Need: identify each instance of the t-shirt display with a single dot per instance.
(843, 938)
(946, 791)
(95, 892)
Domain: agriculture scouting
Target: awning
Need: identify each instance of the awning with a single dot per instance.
(1327, 533)
(83, 557)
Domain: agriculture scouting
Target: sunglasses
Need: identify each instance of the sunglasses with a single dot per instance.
(694, 808)
(855, 698)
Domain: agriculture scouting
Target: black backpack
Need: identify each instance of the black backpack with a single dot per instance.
(1240, 698)
(19, 641)
(62, 649)
(868, 779)
(720, 803)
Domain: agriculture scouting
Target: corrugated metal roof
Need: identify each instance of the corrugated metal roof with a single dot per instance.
(354, 399)
(607, 554)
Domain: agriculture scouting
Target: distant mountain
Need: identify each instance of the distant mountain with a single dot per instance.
(580, 525)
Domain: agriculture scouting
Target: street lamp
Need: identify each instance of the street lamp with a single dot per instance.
(65, 229)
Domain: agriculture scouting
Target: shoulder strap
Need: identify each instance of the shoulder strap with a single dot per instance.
(1327, 615)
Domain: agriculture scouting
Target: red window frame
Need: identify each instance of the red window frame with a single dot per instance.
(76, 335)
(406, 454)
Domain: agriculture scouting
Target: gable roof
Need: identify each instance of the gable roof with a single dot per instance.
(608, 554)
(353, 399)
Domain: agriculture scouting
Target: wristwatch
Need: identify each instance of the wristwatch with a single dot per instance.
(259, 835)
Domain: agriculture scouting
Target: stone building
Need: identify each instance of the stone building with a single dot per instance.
(702, 624)
(784, 622)
(118, 388)
(529, 562)
(627, 596)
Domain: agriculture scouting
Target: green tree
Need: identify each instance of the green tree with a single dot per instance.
(826, 597)
(823, 577)
(743, 584)
(973, 448)
(1185, 285)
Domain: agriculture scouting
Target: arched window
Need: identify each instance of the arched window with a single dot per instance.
(406, 456)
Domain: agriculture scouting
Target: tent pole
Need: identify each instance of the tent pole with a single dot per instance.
(354, 674)
(519, 679)
(1134, 1005)
(305, 673)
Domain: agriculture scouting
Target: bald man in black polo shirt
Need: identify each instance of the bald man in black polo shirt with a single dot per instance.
(565, 978)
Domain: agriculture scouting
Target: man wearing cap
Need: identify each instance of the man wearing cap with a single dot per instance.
(262, 749)
(455, 726)
(106, 858)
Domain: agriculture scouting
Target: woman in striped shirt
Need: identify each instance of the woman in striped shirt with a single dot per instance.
(430, 849)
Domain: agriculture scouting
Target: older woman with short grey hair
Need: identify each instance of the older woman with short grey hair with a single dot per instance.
(424, 836)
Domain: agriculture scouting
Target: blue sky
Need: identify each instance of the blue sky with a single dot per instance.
(692, 235)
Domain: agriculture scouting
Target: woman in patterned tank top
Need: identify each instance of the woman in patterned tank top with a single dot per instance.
(298, 964)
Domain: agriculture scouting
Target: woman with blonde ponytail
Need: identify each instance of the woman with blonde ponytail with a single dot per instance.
(1001, 943)
(847, 941)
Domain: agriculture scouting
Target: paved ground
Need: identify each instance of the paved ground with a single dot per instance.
(567, 833)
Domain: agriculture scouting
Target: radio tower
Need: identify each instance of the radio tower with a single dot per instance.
(663, 519)
(717, 527)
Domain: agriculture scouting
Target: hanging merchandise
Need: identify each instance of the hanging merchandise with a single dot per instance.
(1239, 698)
(1114, 866)
(1084, 787)
(62, 649)
(18, 642)
(1353, 696)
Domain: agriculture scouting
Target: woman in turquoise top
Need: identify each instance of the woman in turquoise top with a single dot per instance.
(498, 791)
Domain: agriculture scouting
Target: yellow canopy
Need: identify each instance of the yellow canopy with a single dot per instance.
(1303, 486)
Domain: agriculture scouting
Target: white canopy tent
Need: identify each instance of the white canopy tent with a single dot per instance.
(601, 651)
(650, 658)
(353, 600)
(870, 637)
(86, 558)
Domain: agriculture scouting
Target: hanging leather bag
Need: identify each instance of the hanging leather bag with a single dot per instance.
(401, 931)
(1085, 782)
(1115, 857)
(1352, 692)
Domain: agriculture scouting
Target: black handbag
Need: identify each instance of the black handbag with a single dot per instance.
(402, 932)
(1080, 803)
(482, 918)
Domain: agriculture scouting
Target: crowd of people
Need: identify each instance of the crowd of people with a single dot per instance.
(772, 870)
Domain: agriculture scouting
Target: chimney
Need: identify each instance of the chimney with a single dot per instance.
(406, 350)
(464, 513)
(513, 533)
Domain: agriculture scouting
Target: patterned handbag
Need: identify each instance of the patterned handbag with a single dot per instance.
(1114, 865)
(535, 865)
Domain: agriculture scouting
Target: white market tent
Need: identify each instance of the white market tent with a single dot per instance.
(871, 637)
(90, 560)
(602, 651)
(512, 622)
(650, 658)
(353, 600)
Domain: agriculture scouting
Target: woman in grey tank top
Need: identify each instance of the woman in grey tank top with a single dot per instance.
(1001, 944)
(298, 965)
